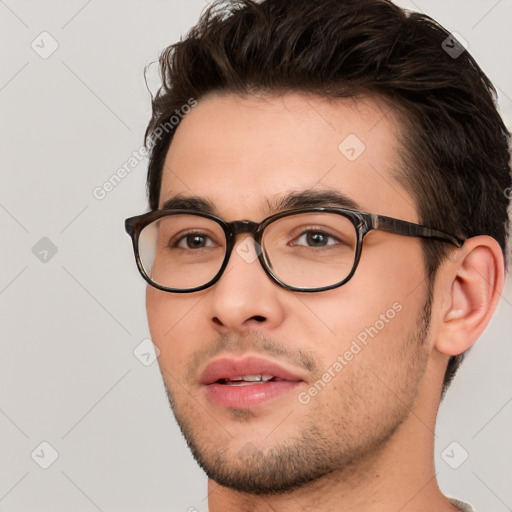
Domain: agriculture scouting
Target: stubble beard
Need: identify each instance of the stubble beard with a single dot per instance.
(326, 444)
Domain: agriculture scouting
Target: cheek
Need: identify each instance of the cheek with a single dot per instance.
(377, 308)
(391, 270)
(157, 309)
(173, 321)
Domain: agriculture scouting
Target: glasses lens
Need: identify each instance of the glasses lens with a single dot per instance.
(182, 251)
(311, 250)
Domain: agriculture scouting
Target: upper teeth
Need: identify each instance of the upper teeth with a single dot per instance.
(253, 378)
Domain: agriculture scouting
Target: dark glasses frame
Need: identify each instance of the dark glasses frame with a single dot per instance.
(363, 223)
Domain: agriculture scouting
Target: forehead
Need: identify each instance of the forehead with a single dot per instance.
(242, 154)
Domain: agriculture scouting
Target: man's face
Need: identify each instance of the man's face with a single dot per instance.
(349, 361)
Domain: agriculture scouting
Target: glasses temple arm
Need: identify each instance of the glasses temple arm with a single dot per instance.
(402, 227)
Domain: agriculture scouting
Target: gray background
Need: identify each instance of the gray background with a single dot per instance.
(72, 320)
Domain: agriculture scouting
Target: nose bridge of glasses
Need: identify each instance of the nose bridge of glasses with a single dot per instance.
(243, 226)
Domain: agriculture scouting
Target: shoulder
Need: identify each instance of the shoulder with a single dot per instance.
(461, 505)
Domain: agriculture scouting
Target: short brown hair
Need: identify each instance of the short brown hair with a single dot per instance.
(455, 144)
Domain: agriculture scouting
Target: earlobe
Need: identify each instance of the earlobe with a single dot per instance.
(476, 282)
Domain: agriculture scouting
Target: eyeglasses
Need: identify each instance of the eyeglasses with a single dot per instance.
(304, 250)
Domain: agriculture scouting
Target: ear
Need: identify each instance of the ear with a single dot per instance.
(472, 282)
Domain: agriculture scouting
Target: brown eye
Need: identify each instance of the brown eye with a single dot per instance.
(315, 239)
(193, 241)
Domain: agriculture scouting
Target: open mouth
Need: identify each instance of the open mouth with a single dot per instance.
(249, 380)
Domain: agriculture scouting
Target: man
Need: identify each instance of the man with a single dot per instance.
(328, 191)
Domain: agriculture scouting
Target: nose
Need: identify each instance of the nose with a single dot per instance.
(245, 297)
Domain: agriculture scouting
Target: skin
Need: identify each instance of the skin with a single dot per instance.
(365, 441)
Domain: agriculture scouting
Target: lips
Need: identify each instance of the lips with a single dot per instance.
(233, 369)
(246, 382)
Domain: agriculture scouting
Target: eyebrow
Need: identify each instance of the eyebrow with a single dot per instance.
(192, 203)
(311, 199)
(293, 200)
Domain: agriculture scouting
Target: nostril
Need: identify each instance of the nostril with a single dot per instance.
(257, 318)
